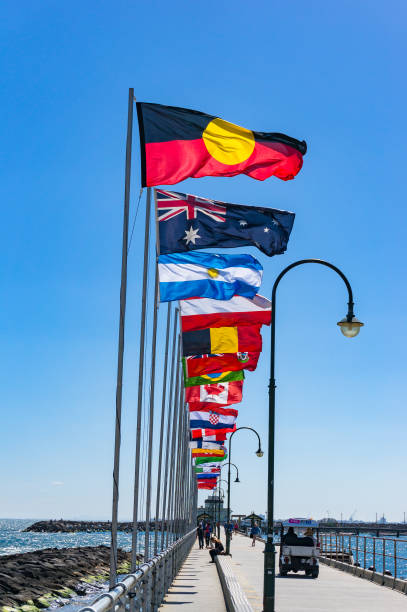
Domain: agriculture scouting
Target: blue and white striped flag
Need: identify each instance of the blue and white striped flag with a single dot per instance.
(198, 274)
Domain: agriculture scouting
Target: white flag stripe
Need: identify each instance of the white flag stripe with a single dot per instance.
(238, 303)
(197, 415)
(170, 273)
(220, 398)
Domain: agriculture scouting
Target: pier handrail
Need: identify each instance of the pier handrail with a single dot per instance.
(141, 578)
(334, 545)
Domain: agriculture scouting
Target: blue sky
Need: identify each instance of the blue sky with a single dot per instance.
(332, 74)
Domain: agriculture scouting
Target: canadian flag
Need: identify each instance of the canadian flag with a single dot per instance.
(215, 394)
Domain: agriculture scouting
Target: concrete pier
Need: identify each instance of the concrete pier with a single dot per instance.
(197, 586)
(333, 591)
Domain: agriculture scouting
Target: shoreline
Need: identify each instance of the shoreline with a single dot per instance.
(66, 526)
(35, 580)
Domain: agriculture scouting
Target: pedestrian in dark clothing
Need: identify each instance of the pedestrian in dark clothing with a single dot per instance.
(207, 532)
(200, 534)
(218, 550)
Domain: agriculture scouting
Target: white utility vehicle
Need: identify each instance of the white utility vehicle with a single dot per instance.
(299, 548)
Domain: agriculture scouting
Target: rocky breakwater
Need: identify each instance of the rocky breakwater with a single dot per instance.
(64, 526)
(34, 580)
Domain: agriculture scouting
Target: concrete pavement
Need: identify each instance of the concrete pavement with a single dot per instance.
(333, 591)
(197, 586)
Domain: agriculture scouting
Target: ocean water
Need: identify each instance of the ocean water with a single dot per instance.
(13, 540)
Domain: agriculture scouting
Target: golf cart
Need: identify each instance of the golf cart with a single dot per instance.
(299, 552)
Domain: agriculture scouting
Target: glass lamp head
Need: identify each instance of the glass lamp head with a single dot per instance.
(351, 328)
(237, 479)
(259, 453)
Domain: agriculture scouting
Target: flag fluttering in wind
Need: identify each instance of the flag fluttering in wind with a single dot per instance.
(188, 223)
(206, 445)
(219, 418)
(215, 394)
(215, 377)
(222, 340)
(209, 452)
(208, 460)
(203, 476)
(208, 484)
(177, 143)
(185, 275)
(210, 434)
(207, 470)
(205, 364)
(201, 313)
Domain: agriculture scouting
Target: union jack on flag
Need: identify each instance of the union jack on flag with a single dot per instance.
(171, 204)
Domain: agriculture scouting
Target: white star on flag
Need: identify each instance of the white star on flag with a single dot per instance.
(191, 235)
(266, 230)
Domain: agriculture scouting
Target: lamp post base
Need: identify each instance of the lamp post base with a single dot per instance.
(269, 576)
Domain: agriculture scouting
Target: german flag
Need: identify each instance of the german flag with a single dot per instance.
(178, 143)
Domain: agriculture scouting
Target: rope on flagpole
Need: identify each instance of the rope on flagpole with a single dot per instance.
(160, 451)
(164, 522)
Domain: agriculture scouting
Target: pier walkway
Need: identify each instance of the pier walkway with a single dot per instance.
(197, 586)
(333, 591)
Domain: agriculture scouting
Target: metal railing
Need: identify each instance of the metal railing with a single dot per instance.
(147, 586)
(387, 556)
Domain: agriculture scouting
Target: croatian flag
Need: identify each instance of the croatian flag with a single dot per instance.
(206, 418)
(186, 275)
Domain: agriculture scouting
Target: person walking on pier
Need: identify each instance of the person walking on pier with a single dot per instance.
(255, 531)
(207, 532)
(218, 550)
(200, 534)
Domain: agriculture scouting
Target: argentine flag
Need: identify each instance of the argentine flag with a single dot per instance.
(198, 274)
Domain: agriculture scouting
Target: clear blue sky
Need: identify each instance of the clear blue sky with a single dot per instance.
(330, 73)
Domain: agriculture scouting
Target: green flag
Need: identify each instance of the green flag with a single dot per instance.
(206, 379)
(201, 460)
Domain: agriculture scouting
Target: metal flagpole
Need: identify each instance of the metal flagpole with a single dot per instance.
(140, 384)
(119, 383)
(160, 452)
(168, 436)
(173, 446)
(151, 429)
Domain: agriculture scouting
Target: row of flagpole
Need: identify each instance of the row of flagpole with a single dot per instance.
(175, 493)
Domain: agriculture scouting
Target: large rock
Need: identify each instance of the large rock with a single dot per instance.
(35, 577)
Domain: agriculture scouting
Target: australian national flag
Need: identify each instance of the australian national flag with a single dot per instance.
(187, 223)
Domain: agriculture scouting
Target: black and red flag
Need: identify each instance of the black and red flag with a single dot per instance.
(178, 143)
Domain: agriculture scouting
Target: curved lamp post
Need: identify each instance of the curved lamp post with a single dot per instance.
(350, 327)
(259, 453)
(217, 522)
(237, 471)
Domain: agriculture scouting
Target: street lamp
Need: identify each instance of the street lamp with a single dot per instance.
(219, 481)
(259, 453)
(235, 466)
(219, 488)
(350, 327)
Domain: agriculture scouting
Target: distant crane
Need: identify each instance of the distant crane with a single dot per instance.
(351, 516)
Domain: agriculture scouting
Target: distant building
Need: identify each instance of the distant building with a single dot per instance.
(210, 511)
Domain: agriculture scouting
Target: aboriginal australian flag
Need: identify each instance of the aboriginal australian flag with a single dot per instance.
(178, 143)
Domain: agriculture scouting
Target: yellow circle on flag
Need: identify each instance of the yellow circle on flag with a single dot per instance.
(213, 273)
(228, 143)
